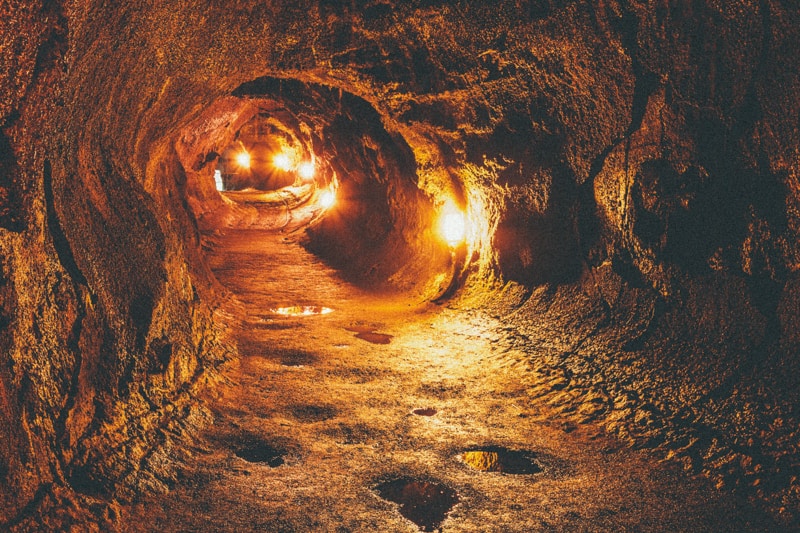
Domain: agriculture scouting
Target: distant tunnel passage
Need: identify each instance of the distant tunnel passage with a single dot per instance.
(287, 155)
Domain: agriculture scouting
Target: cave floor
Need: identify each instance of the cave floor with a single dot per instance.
(317, 415)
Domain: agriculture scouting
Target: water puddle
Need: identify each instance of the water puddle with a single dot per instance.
(426, 411)
(258, 451)
(498, 459)
(426, 503)
(374, 338)
(370, 335)
(301, 310)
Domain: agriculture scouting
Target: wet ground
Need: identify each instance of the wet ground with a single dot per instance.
(382, 414)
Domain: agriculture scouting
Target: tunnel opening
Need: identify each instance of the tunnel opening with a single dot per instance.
(319, 163)
(264, 156)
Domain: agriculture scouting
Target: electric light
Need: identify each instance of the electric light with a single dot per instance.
(306, 170)
(282, 161)
(326, 199)
(452, 224)
(243, 159)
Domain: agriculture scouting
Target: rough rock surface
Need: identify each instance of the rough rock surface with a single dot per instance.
(630, 170)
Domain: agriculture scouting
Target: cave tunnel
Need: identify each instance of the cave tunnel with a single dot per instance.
(369, 265)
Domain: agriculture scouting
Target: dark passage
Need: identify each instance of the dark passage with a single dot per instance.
(256, 451)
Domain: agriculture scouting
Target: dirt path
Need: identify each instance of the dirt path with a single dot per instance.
(315, 429)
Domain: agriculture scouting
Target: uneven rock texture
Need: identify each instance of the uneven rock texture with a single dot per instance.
(104, 333)
(390, 412)
(629, 170)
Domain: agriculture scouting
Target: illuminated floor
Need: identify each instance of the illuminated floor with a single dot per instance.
(328, 414)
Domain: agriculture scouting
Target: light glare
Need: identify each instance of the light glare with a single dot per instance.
(302, 310)
(282, 161)
(327, 198)
(306, 170)
(243, 159)
(452, 225)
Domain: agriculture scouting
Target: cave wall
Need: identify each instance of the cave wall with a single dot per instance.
(698, 203)
(105, 336)
(630, 167)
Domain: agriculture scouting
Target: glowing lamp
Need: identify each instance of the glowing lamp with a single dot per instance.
(282, 161)
(326, 199)
(452, 225)
(306, 170)
(243, 159)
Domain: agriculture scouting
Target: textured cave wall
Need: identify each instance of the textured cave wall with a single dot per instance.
(37, 360)
(698, 203)
(104, 334)
(632, 168)
(675, 328)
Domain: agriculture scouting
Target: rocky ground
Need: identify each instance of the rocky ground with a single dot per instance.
(391, 415)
